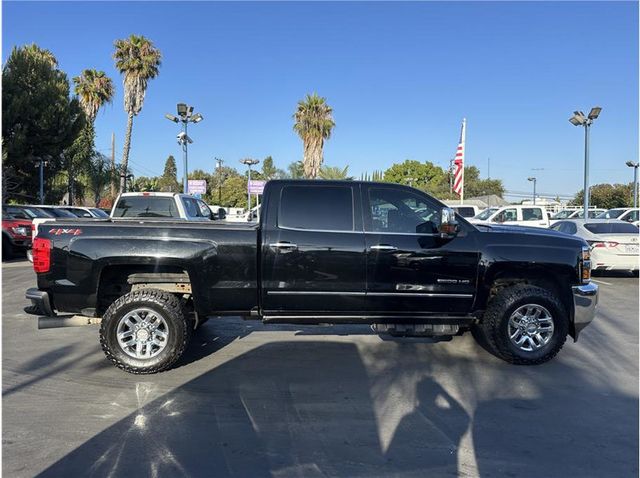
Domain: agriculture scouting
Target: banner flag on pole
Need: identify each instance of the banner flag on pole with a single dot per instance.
(458, 162)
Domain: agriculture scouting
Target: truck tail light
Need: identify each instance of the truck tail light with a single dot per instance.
(41, 255)
(585, 264)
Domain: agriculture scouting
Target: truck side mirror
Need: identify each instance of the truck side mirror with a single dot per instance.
(448, 227)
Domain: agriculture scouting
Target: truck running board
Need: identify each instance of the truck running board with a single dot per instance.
(73, 321)
(415, 330)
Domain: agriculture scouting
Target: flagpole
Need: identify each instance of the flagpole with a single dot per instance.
(462, 141)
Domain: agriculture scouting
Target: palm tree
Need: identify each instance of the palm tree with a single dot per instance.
(139, 61)
(313, 123)
(94, 89)
(334, 172)
(99, 176)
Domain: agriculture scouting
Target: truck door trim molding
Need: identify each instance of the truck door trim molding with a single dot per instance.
(312, 292)
(420, 294)
(376, 294)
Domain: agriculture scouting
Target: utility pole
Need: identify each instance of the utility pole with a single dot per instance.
(113, 165)
(219, 161)
(488, 168)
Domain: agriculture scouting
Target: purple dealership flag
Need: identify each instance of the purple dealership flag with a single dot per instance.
(256, 187)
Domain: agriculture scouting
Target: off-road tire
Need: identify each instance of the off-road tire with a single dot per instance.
(493, 329)
(171, 309)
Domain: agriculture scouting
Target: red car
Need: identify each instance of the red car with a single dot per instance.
(16, 236)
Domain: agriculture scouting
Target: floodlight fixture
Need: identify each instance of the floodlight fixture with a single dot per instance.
(595, 112)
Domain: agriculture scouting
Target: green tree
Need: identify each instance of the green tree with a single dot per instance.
(296, 170)
(168, 182)
(335, 172)
(607, 196)
(139, 61)
(94, 89)
(99, 177)
(269, 170)
(313, 123)
(39, 119)
(474, 186)
(145, 184)
(425, 176)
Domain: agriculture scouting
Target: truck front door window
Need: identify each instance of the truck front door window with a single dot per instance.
(399, 211)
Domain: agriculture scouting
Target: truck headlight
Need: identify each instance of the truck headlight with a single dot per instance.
(585, 264)
(20, 231)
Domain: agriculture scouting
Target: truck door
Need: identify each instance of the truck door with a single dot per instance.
(410, 269)
(313, 260)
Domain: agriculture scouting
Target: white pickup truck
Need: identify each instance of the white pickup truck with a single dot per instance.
(160, 205)
(515, 215)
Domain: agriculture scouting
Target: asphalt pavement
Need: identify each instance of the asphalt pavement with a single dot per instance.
(254, 401)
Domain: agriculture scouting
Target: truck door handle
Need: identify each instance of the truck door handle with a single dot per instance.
(284, 245)
(383, 247)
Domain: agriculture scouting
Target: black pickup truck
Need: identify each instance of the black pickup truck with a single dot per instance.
(323, 252)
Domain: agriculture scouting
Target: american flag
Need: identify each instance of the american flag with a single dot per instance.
(458, 164)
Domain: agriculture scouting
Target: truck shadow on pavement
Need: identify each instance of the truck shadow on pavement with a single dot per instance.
(318, 408)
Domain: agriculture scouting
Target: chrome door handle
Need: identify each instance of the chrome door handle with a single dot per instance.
(383, 247)
(284, 245)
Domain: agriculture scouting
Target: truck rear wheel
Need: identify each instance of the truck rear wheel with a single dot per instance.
(524, 325)
(145, 331)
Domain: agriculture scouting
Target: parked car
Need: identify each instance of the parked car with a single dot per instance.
(517, 215)
(25, 212)
(323, 252)
(161, 206)
(627, 214)
(55, 211)
(16, 235)
(614, 243)
(86, 212)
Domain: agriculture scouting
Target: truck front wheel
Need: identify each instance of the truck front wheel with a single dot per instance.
(145, 331)
(524, 325)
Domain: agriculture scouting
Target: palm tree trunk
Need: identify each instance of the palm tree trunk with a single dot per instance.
(125, 154)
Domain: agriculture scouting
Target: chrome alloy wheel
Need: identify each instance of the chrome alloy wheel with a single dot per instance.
(142, 333)
(530, 327)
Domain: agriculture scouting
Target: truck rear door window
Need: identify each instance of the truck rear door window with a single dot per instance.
(531, 214)
(146, 206)
(326, 208)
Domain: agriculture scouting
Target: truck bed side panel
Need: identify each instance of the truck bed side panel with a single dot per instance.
(221, 262)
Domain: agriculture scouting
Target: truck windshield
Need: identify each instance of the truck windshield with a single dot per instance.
(146, 206)
(486, 213)
(562, 214)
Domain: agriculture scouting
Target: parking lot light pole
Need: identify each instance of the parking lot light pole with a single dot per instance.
(185, 116)
(249, 162)
(633, 165)
(534, 187)
(219, 164)
(579, 119)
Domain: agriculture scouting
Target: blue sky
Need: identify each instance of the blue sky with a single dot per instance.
(399, 76)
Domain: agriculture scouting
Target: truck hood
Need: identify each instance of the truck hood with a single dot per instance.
(529, 231)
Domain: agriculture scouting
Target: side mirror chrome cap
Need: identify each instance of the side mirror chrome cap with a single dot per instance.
(448, 227)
